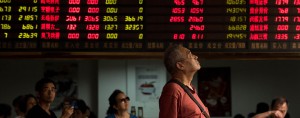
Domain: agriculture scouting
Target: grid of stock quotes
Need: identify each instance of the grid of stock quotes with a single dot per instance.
(150, 25)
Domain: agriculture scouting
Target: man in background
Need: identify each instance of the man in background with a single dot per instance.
(279, 108)
(46, 91)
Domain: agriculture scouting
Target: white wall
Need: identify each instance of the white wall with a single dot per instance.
(251, 81)
(87, 83)
(111, 76)
(150, 104)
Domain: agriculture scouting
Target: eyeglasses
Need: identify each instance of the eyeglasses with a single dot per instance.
(123, 100)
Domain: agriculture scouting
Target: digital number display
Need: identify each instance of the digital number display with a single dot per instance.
(149, 26)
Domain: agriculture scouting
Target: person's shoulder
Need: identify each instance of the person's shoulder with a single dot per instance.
(110, 116)
(172, 89)
(34, 109)
(173, 86)
(32, 113)
(53, 115)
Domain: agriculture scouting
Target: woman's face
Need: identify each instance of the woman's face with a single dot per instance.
(30, 103)
(122, 102)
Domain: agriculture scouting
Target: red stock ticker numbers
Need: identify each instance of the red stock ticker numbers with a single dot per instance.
(143, 25)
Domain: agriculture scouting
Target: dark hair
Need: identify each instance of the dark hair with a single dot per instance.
(81, 106)
(113, 101)
(78, 104)
(239, 116)
(16, 101)
(23, 102)
(40, 84)
(250, 115)
(262, 107)
(278, 101)
(92, 115)
(5, 110)
(171, 57)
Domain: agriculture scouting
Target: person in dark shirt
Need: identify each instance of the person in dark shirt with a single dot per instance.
(46, 91)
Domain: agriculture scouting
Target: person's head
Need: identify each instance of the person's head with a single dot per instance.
(178, 58)
(46, 90)
(118, 101)
(16, 104)
(250, 115)
(81, 110)
(239, 116)
(5, 111)
(262, 107)
(27, 102)
(280, 104)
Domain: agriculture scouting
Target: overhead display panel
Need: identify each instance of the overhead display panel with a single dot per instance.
(247, 26)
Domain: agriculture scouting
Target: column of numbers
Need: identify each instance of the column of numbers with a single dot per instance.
(92, 20)
(72, 18)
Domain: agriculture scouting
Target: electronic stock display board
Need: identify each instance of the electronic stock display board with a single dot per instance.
(247, 26)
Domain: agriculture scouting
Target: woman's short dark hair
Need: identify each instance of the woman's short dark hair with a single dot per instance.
(113, 101)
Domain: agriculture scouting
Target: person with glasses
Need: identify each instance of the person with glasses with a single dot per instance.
(46, 91)
(118, 105)
(174, 101)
